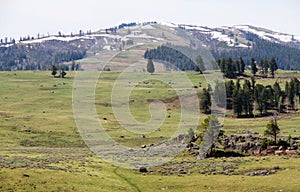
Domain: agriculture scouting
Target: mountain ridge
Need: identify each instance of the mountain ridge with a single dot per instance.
(279, 36)
(233, 41)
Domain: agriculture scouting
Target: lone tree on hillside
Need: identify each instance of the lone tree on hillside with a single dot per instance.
(150, 66)
(54, 70)
(212, 128)
(199, 64)
(272, 129)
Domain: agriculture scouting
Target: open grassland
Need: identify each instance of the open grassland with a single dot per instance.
(52, 169)
(41, 149)
(36, 110)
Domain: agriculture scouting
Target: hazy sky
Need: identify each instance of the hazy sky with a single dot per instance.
(23, 17)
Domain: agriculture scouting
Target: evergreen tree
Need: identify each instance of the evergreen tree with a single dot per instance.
(229, 88)
(296, 87)
(238, 67)
(266, 66)
(269, 97)
(242, 65)
(261, 98)
(234, 67)
(277, 95)
(258, 89)
(272, 129)
(229, 69)
(237, 99)
(212, 128)
(253, 66)
(286, 89)
(53, 70)
(247, 98)
(205, 102)
(273, 66)
(229, 93)
(150, 66)
(261, 65)
(291, 94)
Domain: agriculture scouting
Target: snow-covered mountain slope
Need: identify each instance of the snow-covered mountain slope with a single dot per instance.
(268, 34)
(233, 36)
(225, 41)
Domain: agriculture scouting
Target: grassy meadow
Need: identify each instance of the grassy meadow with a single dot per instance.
(42, 150)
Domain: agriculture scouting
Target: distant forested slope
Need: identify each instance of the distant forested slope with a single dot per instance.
(287, 57)
(170, 56)
(41, 56)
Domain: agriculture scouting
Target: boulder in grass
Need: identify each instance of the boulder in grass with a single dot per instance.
(25, 175)
(143, 170)
(181, 171)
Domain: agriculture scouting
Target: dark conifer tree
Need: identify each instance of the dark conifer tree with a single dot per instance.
(273, 66)
(205, 102)
(253, 66)
(242, 63)
(53, 70)
(150, 66)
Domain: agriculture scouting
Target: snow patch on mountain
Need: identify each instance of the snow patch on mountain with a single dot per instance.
(168, 24)
(54, 38)
(268, 35)
(222, 37)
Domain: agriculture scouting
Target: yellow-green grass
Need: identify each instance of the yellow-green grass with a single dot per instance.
(36, 113)
(140, 98)
(48, 180)
(79, 170)
(288, 123)
(36, 110)
(41, 104)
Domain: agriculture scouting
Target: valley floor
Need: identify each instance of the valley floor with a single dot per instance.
(77, 169)
(41, 149)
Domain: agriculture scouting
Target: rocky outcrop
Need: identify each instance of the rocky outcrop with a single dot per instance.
(251, 144)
